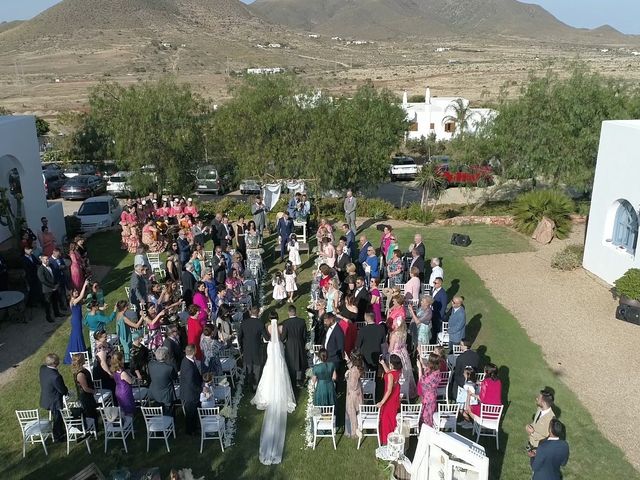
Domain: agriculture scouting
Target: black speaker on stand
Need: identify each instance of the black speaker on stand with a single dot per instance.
(460, 240)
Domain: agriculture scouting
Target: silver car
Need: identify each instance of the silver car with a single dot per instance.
(118, 184)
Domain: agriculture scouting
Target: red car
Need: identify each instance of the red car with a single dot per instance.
(470, 175)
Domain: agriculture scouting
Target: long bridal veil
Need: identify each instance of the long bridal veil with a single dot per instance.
(275, 396)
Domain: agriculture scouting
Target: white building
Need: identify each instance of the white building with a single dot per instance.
(428, 117)
(612, 232)
(20, 168)
(265, 71)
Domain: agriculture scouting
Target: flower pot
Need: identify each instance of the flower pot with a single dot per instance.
(623, 300)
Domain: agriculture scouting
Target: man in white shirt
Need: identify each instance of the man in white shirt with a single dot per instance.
(436, 271)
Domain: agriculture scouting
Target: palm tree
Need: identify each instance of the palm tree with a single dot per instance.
(432, 184)
(460, 116)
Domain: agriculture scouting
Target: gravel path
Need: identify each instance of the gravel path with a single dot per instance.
(581, 339)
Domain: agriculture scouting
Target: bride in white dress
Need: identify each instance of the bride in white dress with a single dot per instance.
(275, 396)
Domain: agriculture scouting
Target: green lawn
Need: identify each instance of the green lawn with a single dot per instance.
(499, 337)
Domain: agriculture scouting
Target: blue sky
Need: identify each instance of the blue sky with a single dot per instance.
(621, 14)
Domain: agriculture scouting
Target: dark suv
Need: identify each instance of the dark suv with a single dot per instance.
(53, 182)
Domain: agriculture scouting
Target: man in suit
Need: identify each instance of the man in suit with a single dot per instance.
(538, 430)
(184, 249)
(190, 388)
(418, 262)
(59, 269)
(251, 336)
(334, 341)
(351, 240)
(439, 307)
(49, 289)
(173, 345)
(457, 322)
(292, 206)
(419, 246)
(52, 389)
(219, 266)
(552, 454)
(284, 229)
(294, 336)
(188, 282)
(30, 264)
(468, 358)
(225, 233)
(362, 299)
(369, 342)
(162, 374)
(350, 204)
(138, 285)
(259, 212)
(342, 260)
(362, 254)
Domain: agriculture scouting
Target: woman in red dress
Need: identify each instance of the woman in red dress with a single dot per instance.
(390, 403)
(194, 329)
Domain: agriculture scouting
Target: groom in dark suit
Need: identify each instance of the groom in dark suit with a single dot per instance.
(285, 229)
(251, 336)
(52, 389)
(190, 388)
(334, 341)
(294, 336)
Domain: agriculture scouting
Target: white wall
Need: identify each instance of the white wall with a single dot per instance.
(617, 178)
(19, 149)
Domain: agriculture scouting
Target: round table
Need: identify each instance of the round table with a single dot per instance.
(10, 299)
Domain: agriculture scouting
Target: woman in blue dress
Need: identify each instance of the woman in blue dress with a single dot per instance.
(76, 340)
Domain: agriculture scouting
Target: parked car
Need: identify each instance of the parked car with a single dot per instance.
(76, 169)
(403, 168)
(97, 213)
(118, 184)
(470, 175)
(54, 180)
(208, 180)
(51, 166)
(82, 187)
(250, 186)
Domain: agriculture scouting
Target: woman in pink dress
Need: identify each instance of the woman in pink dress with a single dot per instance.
(428, 386)
(390, 403)
(200, 299)
(386, 240)
(490, 393)
(77, 267)
(398, 346)
(190, 208)
(124, 223)
(47, 241)
(396, 313)
(376, 301)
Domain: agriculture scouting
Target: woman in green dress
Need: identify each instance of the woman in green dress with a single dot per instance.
(324, 376)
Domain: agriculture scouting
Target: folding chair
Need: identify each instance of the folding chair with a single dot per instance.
(369, 419)
(399, 286)
(446, 418)
(457, 350)
(33, 429)
(410, 416)
(324, 421)
(368, 381)
(156, 264)
(488, 423)
(103, 397)
(443, 386)
(480, 377)
(159, 426)
(230, 368)
(211, 425)
(426, 289)
(76, 429)
(116, 426)
(221, 390)
(443, 336)
(87, 359)
(128, 292)
(425, 350)
(140, 393)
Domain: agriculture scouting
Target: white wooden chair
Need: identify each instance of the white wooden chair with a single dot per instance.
(426, 289)
(400, 286)
(76, 429)
(140, 393)
(230, 368)
(102, 396)
(33, 429)
(87, 359)
(488, 423)
(369, 420)
(443, 336)
(211, 425)
(157, 266)
(410, 417)
(324, 420)
(208, 255)
(446, 418)
(116, 426)
(443, 386)
(316, 349)
(457, 350)
(425, 350)
(480, 377)
(127, 290)
(159, 426)
(404, 389)
(368, 381)
(221, 390)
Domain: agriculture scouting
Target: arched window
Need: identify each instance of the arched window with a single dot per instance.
(625, 227)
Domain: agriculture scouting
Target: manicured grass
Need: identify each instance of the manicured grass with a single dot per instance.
(499, 338)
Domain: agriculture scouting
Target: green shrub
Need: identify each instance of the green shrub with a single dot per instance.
(414, 212)
(529, 209)
(628, 285)
(375, 208)
(569, 258)
(229, 206)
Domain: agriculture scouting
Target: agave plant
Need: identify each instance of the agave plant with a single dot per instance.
(529, 209)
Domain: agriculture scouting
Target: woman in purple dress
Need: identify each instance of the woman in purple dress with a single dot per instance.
(124, 391)
(76, 339)
(376, 301)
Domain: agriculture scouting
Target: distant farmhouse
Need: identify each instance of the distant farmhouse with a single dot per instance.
(427, 117)
(265, 71)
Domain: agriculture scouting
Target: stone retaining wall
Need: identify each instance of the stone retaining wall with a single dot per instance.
(502, 220)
